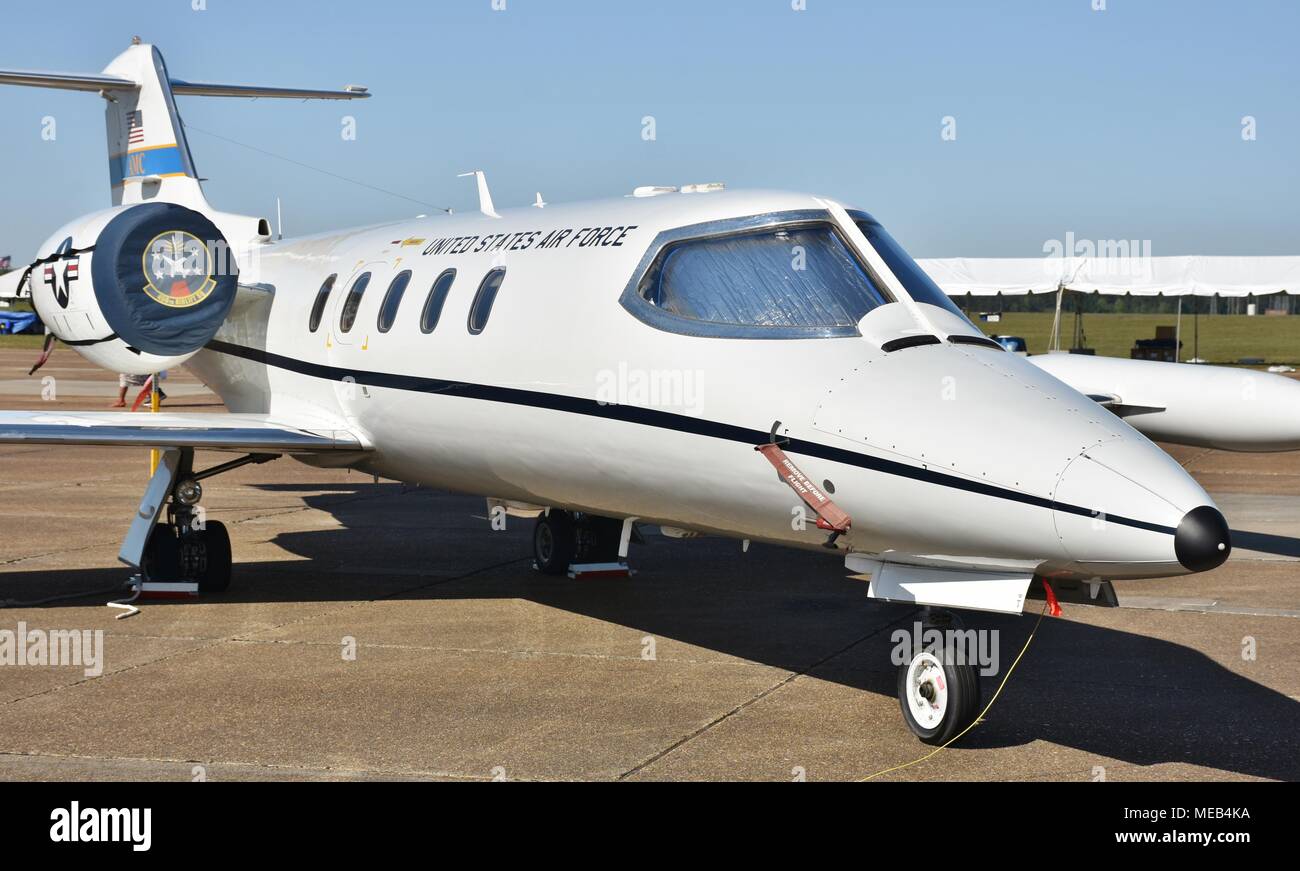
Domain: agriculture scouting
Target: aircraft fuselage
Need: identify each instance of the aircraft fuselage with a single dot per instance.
(948, 453)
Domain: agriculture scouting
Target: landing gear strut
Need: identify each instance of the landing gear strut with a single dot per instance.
(938, 690)
(182, 548)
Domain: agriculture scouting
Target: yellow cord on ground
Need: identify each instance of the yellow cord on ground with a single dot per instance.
(976, 721)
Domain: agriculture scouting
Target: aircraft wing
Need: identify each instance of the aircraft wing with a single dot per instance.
(13, 285)
(212, 431)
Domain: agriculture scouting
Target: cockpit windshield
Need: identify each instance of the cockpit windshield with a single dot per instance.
(915, 281)
(778, 282)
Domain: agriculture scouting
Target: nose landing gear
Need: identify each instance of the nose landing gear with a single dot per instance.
(938, 690)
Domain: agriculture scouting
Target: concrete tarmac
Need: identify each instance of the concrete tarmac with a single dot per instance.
(708, 664)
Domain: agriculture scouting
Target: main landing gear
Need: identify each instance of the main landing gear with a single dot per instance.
(938, 689)
(184, 547)
(177, 551)
(564, 538)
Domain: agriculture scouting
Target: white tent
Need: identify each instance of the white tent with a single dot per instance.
(1140, 276)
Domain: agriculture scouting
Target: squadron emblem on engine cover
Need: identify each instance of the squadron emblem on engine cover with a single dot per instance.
(178, 269)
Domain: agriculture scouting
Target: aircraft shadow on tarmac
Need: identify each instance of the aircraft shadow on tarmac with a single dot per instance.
(1281, 545)
(1113, 693)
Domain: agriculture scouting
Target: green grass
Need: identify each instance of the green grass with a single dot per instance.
(1223, 338)
(25, 340)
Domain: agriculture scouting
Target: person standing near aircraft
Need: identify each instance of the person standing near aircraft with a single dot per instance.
(126, 381)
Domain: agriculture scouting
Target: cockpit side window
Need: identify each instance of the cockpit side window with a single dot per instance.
(915, 281)
(782, 281)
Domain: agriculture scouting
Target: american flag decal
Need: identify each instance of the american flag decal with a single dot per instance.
(134, 128)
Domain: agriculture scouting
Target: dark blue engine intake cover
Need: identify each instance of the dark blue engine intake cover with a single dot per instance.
(164, 278)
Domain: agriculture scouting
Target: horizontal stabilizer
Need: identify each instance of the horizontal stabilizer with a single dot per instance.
(67, 81)
(208, 89)
(99, 82)
(214, 431)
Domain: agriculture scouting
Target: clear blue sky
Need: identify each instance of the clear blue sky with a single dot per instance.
(1121, 124)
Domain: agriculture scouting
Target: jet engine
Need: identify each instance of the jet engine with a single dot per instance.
(137, 288)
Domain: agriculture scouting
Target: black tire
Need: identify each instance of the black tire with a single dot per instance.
(215, 575)
(162, 555)
(553, 542)
(961, 683)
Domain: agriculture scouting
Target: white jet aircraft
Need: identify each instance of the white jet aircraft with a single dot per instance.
(1203, 406)
(646, 358)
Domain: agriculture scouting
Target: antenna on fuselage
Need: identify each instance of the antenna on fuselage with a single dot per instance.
(279, 221)
(484, 195)
(539, 203)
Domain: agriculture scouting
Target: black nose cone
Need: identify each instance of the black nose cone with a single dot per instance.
(1202, 541)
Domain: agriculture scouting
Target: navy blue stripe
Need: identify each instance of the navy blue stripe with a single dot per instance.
(662, 420)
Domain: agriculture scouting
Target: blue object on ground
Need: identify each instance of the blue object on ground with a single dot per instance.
(17, 322)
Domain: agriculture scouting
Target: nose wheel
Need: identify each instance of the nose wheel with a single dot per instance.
(939, 696)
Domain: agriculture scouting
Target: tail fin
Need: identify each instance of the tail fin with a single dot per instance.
(148, 156)
(146, 139)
